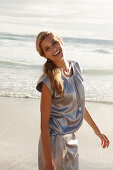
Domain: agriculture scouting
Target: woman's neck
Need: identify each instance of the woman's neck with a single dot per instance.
(65, 67)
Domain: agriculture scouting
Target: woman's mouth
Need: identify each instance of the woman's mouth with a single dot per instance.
(57, 53)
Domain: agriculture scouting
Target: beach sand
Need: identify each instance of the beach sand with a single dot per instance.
(20, 130)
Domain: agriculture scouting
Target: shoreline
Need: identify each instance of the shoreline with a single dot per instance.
(38, 98)
(20, 130)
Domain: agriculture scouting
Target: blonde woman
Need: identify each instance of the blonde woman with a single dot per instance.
(62, 107)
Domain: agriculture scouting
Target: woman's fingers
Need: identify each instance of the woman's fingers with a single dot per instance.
(104, 141)
(101, 142)
(107, 140)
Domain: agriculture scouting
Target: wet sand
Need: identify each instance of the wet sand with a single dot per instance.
(20, 130)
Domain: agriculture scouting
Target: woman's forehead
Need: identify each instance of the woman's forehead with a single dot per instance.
(48, 39)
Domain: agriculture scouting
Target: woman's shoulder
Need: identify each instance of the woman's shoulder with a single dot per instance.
(43, 79)
(76, 66)
(77, 73)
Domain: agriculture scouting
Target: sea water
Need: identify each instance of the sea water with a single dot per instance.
(86, 29)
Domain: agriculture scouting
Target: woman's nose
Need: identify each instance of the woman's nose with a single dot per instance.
(54, 48)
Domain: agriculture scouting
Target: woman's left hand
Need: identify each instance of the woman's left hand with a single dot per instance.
(104, 140)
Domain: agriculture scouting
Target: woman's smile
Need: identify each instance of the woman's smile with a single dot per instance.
(57, 53)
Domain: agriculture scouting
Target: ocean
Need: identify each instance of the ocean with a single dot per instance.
(86, 29)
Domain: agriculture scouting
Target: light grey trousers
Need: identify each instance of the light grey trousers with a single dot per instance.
(64, 150)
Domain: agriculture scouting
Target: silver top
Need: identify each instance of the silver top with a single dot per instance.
(66, 112)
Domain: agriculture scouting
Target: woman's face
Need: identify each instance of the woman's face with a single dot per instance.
(52, 48)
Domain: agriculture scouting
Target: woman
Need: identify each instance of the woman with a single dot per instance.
(62, 107)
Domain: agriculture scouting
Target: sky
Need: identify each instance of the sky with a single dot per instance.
(78, 18)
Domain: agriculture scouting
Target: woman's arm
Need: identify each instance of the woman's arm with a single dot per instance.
(45, 116)
(89, 120)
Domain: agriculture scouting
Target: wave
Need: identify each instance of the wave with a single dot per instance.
(20, 96)
(39, 96)
(18, 37)
(99, 101)
(104, 51)
(18, 65)
(72, 40)
(88, 41)
(98, 71)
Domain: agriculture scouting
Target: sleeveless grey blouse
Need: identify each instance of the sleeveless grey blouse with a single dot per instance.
(66, 112)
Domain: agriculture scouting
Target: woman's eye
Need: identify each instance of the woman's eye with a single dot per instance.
(54, 42)
(47, 49)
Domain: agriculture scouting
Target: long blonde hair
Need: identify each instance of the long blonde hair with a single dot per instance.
(50, 68)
